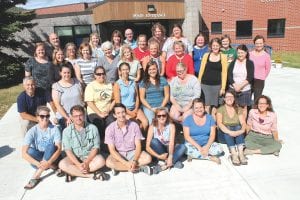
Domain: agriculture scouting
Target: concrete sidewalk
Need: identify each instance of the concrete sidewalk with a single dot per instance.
(265, 177)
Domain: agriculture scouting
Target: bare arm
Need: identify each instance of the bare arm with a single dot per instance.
(148, 144)
(166, 96)
(78, 73)
(116, 91)
(27, 157)
(29, 117)
(60, 109)
(113, 152)
(189, 139)
(163, 66)
(143, 99)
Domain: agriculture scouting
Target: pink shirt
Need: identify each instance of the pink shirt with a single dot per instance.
(262, 65)
(123, 141)
(265, 125)
(240, 74)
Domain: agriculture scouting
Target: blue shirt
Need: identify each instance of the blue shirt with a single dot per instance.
(198, 55)
(155, 95)
(199, 133)
(127, 93)
(39, 139)
(29, 104)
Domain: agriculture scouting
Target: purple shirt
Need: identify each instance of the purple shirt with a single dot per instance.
(265, 125)
(123, 141)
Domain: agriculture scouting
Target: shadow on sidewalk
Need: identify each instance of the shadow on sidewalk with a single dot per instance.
(5, 150)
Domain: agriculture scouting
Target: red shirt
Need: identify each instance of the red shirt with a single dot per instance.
(173, 61)
(139, 54)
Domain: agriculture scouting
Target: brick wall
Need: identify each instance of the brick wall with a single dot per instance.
(259, 11)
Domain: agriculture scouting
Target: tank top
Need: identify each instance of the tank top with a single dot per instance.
(164, 136)
(212, 72)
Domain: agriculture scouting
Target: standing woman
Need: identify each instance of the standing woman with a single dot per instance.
(227, 49)
(200, 48)
(154, 91)
(109, 62)
(213, 75)
(262, 65)
(184, 89)
(232, 126)
(141, 51)
(95, 43)
(58, 60)
(126, 92)
(161, 141)
(135, 65)
(179, 57)
(262, 136)
(158, 35)
(240, 77)
(84, 68)
(177, 35)
(66, 93)
(38, 67)
(70, 53)
(199, 131)
(117, 42)
(155, 56)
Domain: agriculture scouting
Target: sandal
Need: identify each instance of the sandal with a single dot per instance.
(98, 175)
(69, 178)
(31, 184)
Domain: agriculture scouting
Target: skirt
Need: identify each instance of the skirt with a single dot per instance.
(211, 94)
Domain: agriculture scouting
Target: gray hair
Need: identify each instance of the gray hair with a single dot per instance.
(42, 108)
(28, 78)
(106, 45)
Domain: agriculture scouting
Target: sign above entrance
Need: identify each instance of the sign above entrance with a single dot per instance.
(148, 15)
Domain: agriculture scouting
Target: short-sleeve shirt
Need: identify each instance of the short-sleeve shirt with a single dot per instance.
(155, 95)
(226, 120)
(81, 147)
(199, 133)
(123, 139)
(111, 69)
(127, 93)
(87, 69)
(39, 139)
(265, 125)
(184, 93)
(39, 72)
(29, 104)
(100, 94)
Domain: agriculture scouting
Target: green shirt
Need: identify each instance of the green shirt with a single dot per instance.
(81, 146)
(231, 54)
(227, 121)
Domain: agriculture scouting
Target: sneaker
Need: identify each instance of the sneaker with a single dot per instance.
(114, 172)
(276, 153)
(146, 169)
(157, 169)
(178, 165)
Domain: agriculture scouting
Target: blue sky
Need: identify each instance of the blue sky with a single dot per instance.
(32, 4)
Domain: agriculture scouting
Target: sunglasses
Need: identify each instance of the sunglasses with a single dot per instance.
(100, 74)
(160, 116)
(44, 116)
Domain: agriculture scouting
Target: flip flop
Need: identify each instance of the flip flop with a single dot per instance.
(98, 175)
(31, 184)
(69, 178)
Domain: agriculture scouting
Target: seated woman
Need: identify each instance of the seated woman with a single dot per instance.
(154, 91)
(184, 89)
(42, 145)
(66, 93)
(161, 141)
(126, 92)
(262, 137)
(232, 126)
(199, 131)
(99, 98)
(135, 69)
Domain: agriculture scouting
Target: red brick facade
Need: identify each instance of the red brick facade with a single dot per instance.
(230, 11)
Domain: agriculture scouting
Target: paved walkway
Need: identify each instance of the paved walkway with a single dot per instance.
(265, 177)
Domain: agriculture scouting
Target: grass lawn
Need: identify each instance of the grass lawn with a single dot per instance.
(8, 96)
(289, 59)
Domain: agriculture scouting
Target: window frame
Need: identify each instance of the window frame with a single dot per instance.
(277, 21)
(243, 36)
(216, 32)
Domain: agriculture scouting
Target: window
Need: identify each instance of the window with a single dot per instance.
(74, 34)
(276, 27)
(216, 28)
(244, 29)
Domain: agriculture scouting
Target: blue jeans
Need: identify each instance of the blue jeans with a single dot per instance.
(233, 141)
(40, 155)
(149, 114)
(160, 148)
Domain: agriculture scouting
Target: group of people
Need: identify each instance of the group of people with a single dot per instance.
(119, 93)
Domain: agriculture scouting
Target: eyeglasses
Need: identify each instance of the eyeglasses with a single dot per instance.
(160, 116)
(44, 116)
(100, 74)
(180, 71)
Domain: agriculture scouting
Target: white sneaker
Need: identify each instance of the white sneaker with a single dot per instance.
(114, 172)
(146, 169)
